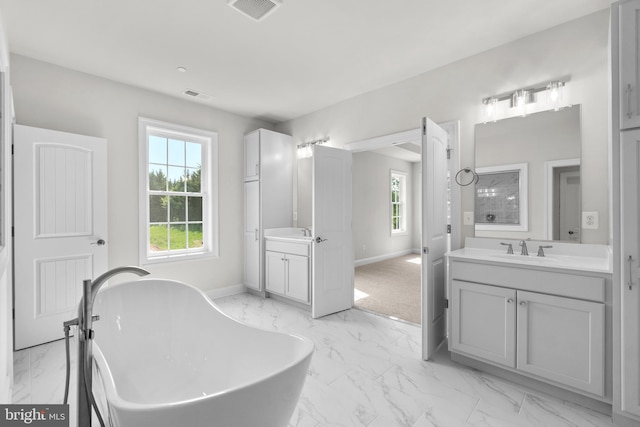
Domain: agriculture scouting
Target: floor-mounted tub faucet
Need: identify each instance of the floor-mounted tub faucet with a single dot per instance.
(85, 333)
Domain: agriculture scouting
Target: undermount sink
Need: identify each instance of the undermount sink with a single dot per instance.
(525, 258)
(288, 234)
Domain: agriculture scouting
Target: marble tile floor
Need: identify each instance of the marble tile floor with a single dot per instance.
(366, 371)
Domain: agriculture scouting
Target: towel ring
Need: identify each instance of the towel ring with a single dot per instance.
(474, 177)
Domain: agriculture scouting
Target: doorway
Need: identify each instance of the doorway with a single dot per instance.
(387, 266)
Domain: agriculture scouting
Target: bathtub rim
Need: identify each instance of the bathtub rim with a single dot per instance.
(114, 398)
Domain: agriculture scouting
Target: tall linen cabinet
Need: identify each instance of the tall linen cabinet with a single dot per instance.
(625, 76)
(268, 196)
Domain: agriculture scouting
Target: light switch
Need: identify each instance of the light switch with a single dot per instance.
(468, 218)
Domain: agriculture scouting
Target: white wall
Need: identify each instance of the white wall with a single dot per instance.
(56, 98)
(6, 291)
(371, 206)
(578, 49)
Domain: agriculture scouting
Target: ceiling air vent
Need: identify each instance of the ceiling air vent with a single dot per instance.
(255, 9)
(196, 94)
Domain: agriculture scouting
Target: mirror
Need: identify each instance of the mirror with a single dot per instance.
(529, 177)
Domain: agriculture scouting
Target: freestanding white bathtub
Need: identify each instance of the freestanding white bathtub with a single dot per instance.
(167, 356)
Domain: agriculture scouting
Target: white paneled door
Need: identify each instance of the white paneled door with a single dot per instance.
(434, 235)
(60, 222)
(333, 246)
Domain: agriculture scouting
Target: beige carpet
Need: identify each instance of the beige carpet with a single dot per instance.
(390, 287)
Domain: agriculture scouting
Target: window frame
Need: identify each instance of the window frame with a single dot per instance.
(208, 190)
(522, 169)
(402, 203)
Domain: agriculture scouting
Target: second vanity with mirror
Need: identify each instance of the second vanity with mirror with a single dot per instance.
(543, 319)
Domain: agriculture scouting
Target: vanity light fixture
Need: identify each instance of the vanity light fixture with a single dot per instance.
(555, 90)
(305, 150)
(521, 98)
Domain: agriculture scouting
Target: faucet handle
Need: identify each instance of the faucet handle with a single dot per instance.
(541, 249)
(510, 247)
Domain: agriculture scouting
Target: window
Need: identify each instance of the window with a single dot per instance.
(178, 192)
(501, 198)
(398, 202)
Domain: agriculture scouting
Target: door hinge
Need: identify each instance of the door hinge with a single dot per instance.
(448, 228)
(449, 153)
(13, 231)
(12, 151)
(446, 303)
(13, 313)
(424, 125)
(425, 250)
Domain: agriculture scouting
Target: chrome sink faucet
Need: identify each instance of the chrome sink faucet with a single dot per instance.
(306, 232)
(525, 251)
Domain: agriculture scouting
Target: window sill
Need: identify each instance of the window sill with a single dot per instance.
(399, 233)
(177, 257)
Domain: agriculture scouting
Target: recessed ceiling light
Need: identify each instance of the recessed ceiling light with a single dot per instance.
(182, 69)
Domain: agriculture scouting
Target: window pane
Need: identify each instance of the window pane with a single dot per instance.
(178, 237)
(195, 208)
(176, 178)
(158, 239)
(157, 178)
(157, 209)
(157, 149)
(176, 152)
(177, 209)
(194, 155)
(195, 236)
(193, 180)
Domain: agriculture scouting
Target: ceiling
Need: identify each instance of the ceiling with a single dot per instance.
(306, 55)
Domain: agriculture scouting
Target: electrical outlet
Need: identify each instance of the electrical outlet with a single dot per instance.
(590, 220)
(468, 218)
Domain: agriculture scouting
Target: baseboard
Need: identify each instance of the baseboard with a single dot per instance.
(365, 261)
(5, 390)
(226, 291)
(620, 420)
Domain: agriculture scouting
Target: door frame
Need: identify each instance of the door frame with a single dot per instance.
(414, 136)
(549, 169)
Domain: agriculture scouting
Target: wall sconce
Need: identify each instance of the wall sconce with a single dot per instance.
(523, 101)
(306, 150)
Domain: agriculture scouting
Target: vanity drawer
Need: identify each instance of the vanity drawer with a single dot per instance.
(288, 248)
(548, 282)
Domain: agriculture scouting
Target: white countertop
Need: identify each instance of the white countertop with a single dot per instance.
(563, 256)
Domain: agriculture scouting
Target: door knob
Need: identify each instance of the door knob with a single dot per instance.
(320, 239)
(99, 242)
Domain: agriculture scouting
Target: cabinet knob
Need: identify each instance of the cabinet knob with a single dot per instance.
(523, 303)
(510, 300)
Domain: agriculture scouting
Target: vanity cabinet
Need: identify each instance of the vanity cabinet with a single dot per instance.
(629, 44)
(504, 316)
(483, 322)
(268, 197)
(287, 269)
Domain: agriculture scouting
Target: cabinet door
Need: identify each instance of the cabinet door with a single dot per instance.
(275, 272)
(629, 71)
(630, 287)
(252, 156)
(298, 277)
(562, 339)
(483, 321)
(252, 235)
